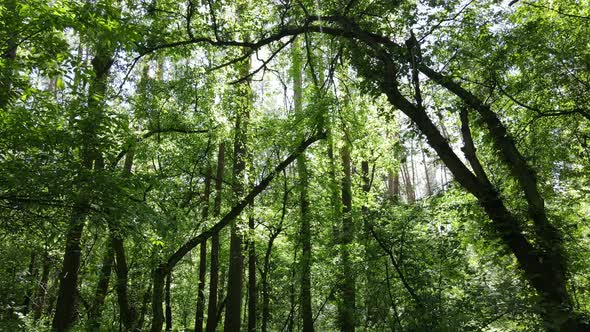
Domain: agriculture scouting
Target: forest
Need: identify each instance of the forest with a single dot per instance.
(294, 165)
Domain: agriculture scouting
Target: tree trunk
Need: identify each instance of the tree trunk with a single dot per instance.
(102, 288)
(267, 256)
(41, 294)
(305, 228)
(144, 305)
(291, 318)
(236, 265)
(265, 284)
(168, 303)
(9, 54)
(31, 278)
(213, 284)
(391, 185)
(214, 265)
(306, 258)
(234, 281)
(203, 258)
(371, 291)
(426, 174)
(347, 306)
(252, 293)
(396, 185)
(65, 310)
(128, 313)
(158, 297)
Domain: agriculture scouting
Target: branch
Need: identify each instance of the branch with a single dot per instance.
(189, 16)
(264, 63)
(469, 148)
(238, 208)
(547, 113)
(158, 131)
(397, 267)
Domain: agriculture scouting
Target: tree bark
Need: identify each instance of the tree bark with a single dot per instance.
(426, 174)
(214, 265)
(128, 313)
(158, 297)
(267, 256)
(65, 310)
(305, 228)
(41, 294)
(9, 54)
(31, 277)
(203, 258)
(102, 288)
(243, 104)
(168, 303)
(252, 292)
(347, 305)
(371, 289)
(144, 306)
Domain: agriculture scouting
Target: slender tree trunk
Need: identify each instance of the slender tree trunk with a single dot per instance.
(236, 265)
(347, 307)
(426, 174)
(396, 185)
(158, 297)
(213, 284)
(102, 288)
(410, 193)
(168, 303)
(391, 185)
(305, 229)
(306, 258)
(31, 277)
(291, 318)
(128, 313)
(201, 289)
(371, 281)
(144, 306)
(335, 201)
(222, 294)
(41, 294)
(65, 310)
(203, 258)
(214, 265)
(243, 104)
(9, 54)
(252, 292)
(265, 284)
(267, 256)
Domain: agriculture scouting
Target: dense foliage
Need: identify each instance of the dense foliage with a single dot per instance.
(303, 165)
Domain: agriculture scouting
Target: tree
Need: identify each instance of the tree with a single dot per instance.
(450, 192)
